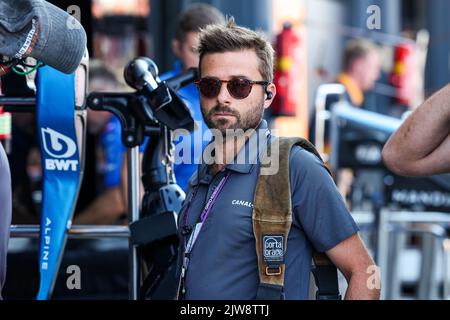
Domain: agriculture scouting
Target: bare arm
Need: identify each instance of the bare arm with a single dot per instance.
(355, 263)
(421, 146)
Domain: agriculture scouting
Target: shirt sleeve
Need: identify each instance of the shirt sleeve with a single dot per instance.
(317, 205)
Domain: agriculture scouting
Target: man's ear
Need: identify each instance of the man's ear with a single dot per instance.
(270, 93)
(176, 47)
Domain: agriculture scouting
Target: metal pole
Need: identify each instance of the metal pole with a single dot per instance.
(18, 101)
(427, 268)
(446, 271)
(383, 248)
(390, 218)
(76, 232)
(419, 217)
(133, 211)
(323, 115)
(363, 218)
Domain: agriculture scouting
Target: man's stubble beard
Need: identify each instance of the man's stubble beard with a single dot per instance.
(250, 120)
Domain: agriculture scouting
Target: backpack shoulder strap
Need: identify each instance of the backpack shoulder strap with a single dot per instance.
(272, 218)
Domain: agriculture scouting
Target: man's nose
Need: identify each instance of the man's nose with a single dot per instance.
(224, 96)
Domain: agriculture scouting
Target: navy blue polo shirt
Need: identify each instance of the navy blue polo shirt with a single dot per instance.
(223, 261)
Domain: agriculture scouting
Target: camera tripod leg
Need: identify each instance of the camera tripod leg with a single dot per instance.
(133, 173)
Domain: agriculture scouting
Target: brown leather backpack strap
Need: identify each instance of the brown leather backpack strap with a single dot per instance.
(272, 218)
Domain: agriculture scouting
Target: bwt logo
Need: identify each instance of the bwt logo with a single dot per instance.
(59, 147)
(273, 247)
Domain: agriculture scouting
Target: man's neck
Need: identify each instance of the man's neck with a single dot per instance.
(226, 150)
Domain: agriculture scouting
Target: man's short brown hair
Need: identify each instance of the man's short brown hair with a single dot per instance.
(198, 16)
(356, 49)
(231, 37)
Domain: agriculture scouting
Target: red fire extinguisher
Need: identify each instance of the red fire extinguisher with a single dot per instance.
(402, 74)
(5, 127)
(287, 52)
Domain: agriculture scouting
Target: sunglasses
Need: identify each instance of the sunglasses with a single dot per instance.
(238, 87)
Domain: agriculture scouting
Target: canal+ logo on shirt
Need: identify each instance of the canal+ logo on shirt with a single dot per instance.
(59, 149)
(243, 203)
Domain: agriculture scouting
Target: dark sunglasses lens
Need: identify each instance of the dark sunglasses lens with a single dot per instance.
(209, 87)
(239, 88)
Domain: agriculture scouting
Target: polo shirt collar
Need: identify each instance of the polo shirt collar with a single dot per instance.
(258, 139)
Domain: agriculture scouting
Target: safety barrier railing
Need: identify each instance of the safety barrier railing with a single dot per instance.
(424, 223)
(323, 115)
(76, 232)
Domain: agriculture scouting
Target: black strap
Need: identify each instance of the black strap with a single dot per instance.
(325, 275)
(153, 228)
(326, 280)
(269, 292)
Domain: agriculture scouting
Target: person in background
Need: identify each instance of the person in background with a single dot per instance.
(184, 46)
(101, 198)
(361, 69)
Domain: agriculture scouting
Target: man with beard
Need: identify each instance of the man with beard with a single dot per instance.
(217, 255)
